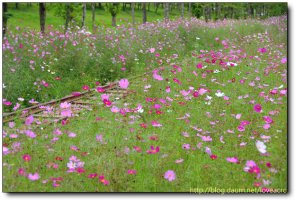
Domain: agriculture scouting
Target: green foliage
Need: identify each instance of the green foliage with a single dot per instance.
(113, 8)
(60, 10)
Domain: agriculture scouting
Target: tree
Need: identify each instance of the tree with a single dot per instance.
(93, 16)
(182, 10)
(144, 13)
(83, 15)
(132, 12)
(4, 19)
(190, 9)
(113, 8)
(166, 11)
(16, 5)
(42, 14)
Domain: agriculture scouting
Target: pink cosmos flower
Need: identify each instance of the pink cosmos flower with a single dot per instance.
(258, 108)
(157, 106)
(266, 126)
(202, 91)
(268, 119)
(186, 146)
(33, 177)
(103, 180)
(156, 124)
(206, 138)
(232, 159)
(241, 128)
(284, 60)
(29, 120)
(152, 50)
(65, 105)
(208, 151)
(131, 171)
(170, 175)
(66, 113)
(262, 50)
(115, 109)
(30, 134)
(7, 103)
(168, 89)
(100, 89)
(136, 148)
(99, 138)
(195, 94)
(21, 172)
(153, 150)
(86, 87)
(123, 83)
(27, 157)
(11, 124)
(199, 65)
(5, 150)
(249, 164)
(107, 102)
(17, 105)
(157, 77)
(213, 157)
(72, 135)
(92, 175)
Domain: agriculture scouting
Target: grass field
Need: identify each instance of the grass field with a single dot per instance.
(213, 114)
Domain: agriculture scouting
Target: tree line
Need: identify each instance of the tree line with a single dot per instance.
(207, 11)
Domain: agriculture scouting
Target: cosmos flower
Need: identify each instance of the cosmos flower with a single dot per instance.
(103, 180)
(261, 147)
(33, 177)
(186, 146)
(153, 150)
(123, 83)
(131, 171)
(170, 175)
(27, 157)
(257, 108)
(232, 159)
(29, 120)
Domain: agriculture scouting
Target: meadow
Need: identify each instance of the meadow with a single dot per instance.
(212, 114)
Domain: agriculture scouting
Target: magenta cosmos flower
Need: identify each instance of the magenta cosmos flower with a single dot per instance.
(27, 157)
(170, 175)
(123, 83)
(153, 150)
(258, 108)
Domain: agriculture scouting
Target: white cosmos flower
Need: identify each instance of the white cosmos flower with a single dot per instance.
(140, 110)
(216, 71)
(261, 146)
(209, 97)
(219, 94)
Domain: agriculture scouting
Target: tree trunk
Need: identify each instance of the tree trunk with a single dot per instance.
(156, 7)
(114, 21)
(166, 11)
(4, 11)
(143, 13)
(182, 10)
(16, 5)
(132, 12)
(68, 16)
(42, 14)
(190, 9)
(93, 16)
(149, 5)
(83, 15)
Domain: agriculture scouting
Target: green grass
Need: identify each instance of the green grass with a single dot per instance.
(197, 171)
